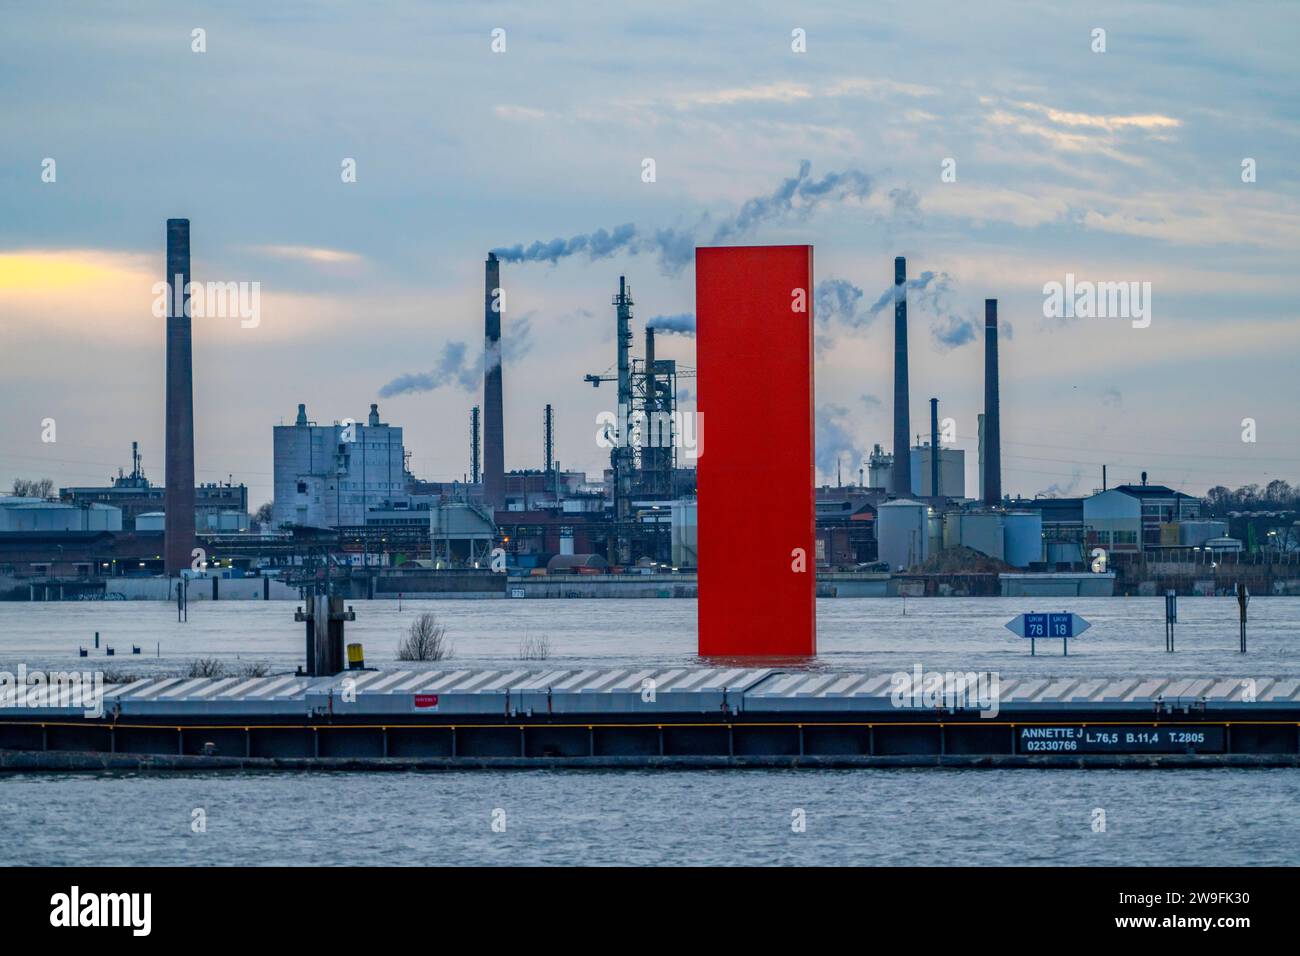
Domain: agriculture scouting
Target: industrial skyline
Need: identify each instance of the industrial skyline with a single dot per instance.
(1115, 166)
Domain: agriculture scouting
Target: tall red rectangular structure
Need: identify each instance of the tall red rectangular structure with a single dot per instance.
(754, 380)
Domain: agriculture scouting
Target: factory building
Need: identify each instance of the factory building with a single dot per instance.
(79, 554)
(530, 490)
(217, 506)
(1134, 518)
(1126, 519)
(846, 528)
(330, 476)
(952, 472)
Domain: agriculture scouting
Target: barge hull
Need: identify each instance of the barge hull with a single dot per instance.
(646, 717)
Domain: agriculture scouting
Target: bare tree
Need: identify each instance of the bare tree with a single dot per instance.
(206, 667)
(426, 640)
(534, 648)
(34, 488)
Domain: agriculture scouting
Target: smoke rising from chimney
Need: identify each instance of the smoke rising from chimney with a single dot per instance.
(683, 324)
(453, 369)
(931, 292)
(839, 300)
(833, 439)
(797, 197)
(835, 301)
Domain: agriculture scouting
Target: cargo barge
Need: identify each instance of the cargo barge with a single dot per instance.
(654, 717)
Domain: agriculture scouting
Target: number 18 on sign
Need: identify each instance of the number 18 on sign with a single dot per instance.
(1035, 627)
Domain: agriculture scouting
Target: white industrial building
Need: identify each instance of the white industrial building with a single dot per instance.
(952, 472)
(329, 476)
(1137, 517)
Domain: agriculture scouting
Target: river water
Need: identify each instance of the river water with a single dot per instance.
(862, 634)
(946, 817)
(898, 817)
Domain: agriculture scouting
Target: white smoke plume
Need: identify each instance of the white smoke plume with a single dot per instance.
(931, 292)
(450, 370)
(796, 198)
(453, 369)
(682, 324)
(834, 440)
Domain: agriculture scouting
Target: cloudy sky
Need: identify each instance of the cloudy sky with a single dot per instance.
(1123, 165)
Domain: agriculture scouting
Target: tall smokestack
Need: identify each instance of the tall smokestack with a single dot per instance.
(178, 501)
(549, 439)
(900, 483)
(494, 450)
(992, 415)
(934, 447)
(473, 446)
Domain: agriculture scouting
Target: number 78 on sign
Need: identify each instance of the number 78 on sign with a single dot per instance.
(1047, 626)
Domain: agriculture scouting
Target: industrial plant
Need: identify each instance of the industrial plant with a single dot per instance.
(348, 515)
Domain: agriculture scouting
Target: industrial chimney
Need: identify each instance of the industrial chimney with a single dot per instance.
(992, 414)
(934, 447)
(473, 445)
(494, 451)
(900, 484)
(178, 501)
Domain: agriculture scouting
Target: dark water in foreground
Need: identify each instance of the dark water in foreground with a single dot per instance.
(854, 817)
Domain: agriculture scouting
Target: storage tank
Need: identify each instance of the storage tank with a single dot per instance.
(903, 533)
(934, 522)
(1023, 538)
(150, 521)
(951, 529)
(983, 531)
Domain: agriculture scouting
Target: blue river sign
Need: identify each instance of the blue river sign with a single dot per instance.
(1053, 626)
